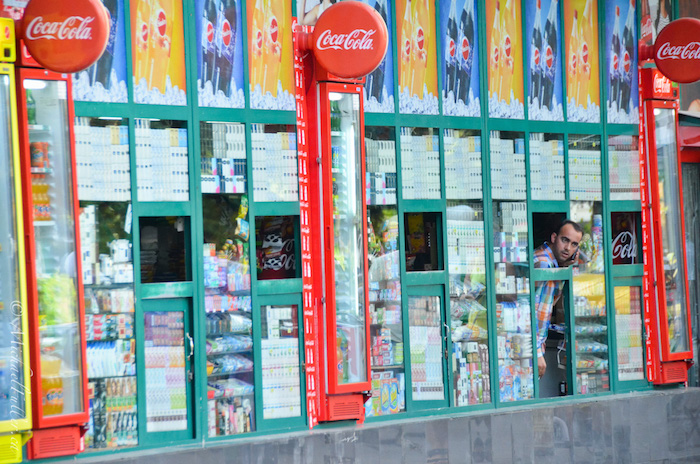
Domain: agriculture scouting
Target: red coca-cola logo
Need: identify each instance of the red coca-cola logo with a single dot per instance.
(350, 39)
(584, 53)
(549, 57)
(537, 56)
(507, 49)
(407, 47)
(226, 33)
(420, 38)
(626, 61)
(274, 29)
(144, 32)
(573, 59)
(625, 247)
(65, 36)
(677, 50)
(662, 84)
(210, 32)
(496, 54)
(615, 62)
(451, 48)
(466, 48)
(8, 33)
(259, 40)
(161, 22)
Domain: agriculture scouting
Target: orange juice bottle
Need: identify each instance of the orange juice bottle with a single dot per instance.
(142, 33)
(406, 48)
(584, 55)
(572, 78)
(256, 45)
(495, 54)
(272, 47)
(422, 33)
(160, 43)
(509, 34)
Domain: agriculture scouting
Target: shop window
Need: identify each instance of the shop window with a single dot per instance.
(511, 266)
(423, 247)
(626, 231)
(223, 161)
(386, 328)
(547, 167)
(280, 362)
(162, 167)
(623, 167)
(466, 263)
(420, 163)
(104, 192)
(274, 157)
(425, 332)
(588, 297)
(276, 247)
(164, 241)
(628, 333)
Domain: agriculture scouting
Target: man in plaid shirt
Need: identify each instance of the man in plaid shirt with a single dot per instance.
(560, 251)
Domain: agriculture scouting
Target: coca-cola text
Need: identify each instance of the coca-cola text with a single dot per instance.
(71, 28)
(690, 51)
(359, 39)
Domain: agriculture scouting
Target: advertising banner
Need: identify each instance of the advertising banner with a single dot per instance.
(656, 14)
(270, 54)
(582, 69)
(621, 62)
(219, 54)
(105, 81)
(460, 58)
(379, 87)
(505, 68)
(544, 57)
(415, 29)
(690, 93)
(158, 52)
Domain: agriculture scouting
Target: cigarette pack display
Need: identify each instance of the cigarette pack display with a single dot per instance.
(274, 155)
(426, 348)
(113, 414)
(623, 167)
(546, 167)
(380, 172)
(420, 164)
(585, 178)
(508, 180)
(162, 169)
(102, 161)
(223, 160)
(463, 180)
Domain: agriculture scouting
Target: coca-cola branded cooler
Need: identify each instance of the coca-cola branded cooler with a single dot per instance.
(666, 307)
(54, 274)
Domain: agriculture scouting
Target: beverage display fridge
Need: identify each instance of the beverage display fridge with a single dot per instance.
(54, 275)
(15, 406)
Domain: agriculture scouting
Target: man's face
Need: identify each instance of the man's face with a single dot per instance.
(565, 244)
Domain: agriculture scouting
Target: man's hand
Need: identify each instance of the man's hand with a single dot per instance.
(541, 365)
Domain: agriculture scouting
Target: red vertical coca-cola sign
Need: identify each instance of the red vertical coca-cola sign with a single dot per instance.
(624, 233)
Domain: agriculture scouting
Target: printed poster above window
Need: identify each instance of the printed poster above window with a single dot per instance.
(505, 60)
(460, 58)
(158, 52)
(621, 62)
(219, 54)
(105, 81)
(544, 56)
(582, 69)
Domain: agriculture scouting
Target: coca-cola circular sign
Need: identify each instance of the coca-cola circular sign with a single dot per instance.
(350, 39)
(65, 36)
(677, 50)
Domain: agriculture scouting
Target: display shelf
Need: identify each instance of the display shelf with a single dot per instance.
(211, 354)
(211, 395)
(38, 128)
(221, 374)
(44, 223)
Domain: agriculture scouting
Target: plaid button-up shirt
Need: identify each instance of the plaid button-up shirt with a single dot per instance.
(547, 293)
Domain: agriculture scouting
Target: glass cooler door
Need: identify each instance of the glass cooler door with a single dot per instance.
(349, 250)
(675, 330)
(55, 252)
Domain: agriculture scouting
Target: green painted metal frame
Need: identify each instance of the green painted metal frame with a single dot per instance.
(289, 291)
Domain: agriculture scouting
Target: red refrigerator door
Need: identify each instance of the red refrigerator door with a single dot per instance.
(345, 219)
(674, 331)
(55, 291)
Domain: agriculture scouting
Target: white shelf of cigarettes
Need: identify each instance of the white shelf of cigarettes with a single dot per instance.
(223, 165)
(508, 180)
(623, 160)
(420, 166)
(546, 168)
(463, 180)
(380, 172)
(162, 170)
(274, 165)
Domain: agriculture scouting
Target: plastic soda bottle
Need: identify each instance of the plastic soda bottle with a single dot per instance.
(536, 57)
(421, 38)
(509, 33)
(272, 46)
(572, 80)
(141, 38)
(614, 70)
(160, 43)
(584, 56)
(406, 48)
(627, 49)
(256, 44)
(495, 54)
